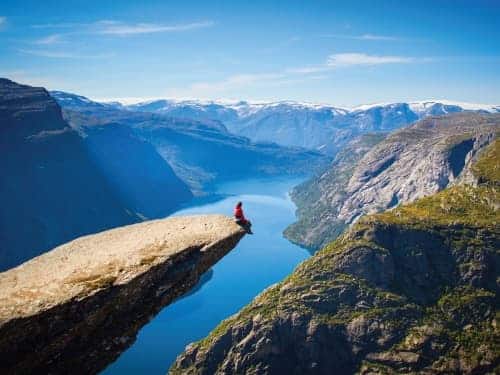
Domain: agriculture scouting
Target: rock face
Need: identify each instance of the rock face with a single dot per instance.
(411, 290)
(50, 190)
(135, 171)
(75, 308)
(371, 175)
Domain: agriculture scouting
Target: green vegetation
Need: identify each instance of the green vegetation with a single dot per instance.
(466, 205)
(458, 325)
(487, 168)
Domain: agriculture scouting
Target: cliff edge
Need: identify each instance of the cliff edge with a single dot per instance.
(76, 307)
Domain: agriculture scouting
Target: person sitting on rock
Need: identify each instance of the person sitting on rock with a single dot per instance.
(240, 219)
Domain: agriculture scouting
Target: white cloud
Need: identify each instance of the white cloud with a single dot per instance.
(353, 59)
(308, 69)
(49, 40)
(118, 28)
(236, 81)
(62, 25)
(373, 37)
(64, 54)
(122, 29)
(376, 37)
(356, 59)
(293, 75)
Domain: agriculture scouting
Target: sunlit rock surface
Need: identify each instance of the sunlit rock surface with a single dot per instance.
(76, 307)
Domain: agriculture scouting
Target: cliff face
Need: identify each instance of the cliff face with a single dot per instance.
(411, 290)
(50, 191)
(372, 175)
(317, 199)
(76, 308)
(135, 170)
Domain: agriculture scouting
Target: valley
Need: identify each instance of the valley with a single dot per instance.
(258, 262)
(409, 290)
(356, 177)
(255, 187)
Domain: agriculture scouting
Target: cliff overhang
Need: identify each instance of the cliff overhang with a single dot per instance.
(75, 308)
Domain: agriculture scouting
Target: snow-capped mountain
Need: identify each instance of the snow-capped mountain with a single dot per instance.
(438, 106)
(321, 127)
(286, 123)
(77, 101)
(317, 126)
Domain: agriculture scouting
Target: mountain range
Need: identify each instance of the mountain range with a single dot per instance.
(82, 169)
(324, 128)
(201, 152)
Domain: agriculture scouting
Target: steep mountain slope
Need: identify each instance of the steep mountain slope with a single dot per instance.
(135, 170)
(320, 127)
(412, 290)
(409, 164)
(50, 191)
(199, 152)
(318, 197)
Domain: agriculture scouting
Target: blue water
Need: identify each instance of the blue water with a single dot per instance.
(257, 262)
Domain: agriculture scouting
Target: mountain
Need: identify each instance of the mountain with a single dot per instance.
(200, 152)
(410, 290)
(73, 101)
(373, 174)
(50, 190)
(320, 127)
(318, 197)
(137, 173)
(189, 109)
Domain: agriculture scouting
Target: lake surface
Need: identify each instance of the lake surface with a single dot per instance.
(257, 262)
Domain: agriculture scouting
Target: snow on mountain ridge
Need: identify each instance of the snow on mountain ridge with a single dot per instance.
(422, 105)
(244, 107)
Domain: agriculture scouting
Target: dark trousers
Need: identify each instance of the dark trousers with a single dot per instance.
(247, 225)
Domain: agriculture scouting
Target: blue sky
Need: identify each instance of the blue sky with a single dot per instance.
(339, 52)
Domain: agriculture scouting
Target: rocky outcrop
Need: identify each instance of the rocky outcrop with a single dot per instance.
(371, 175)
(75, 308)
(411, 290)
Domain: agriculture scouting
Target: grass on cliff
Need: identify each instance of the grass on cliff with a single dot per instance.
(487, 168)
(467, 205)
(462, 323)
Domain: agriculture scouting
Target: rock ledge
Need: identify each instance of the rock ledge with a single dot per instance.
(76, 307)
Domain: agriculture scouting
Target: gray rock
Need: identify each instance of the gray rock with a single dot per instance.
(409, 164)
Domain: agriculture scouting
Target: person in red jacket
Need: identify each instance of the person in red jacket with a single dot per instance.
(240, 218)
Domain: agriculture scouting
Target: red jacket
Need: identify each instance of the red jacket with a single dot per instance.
(238, 215)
